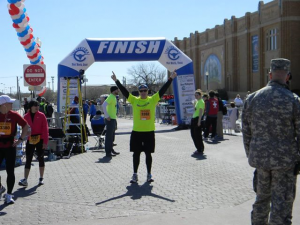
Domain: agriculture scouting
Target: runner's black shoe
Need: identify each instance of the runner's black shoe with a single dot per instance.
(134, 178)
(41, 181)
(114, 152)
(150, 178)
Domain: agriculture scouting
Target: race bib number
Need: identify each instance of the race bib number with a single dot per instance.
(5, 128)
(33, 140)
(145, 114)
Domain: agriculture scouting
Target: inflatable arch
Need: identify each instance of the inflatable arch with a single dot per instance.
(92, 50)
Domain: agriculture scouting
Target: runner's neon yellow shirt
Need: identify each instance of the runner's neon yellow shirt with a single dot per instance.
(199, 105)
(144, 112)
(111, 107)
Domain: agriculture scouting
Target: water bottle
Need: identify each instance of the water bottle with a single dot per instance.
(87, 147)
(28, 132)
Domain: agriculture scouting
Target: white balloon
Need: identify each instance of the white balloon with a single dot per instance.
(21, 29)
(43, 89)
(27, 46)
(20, 4)
(32, 52)
(36, 58)
(24, 22)
(22, 39)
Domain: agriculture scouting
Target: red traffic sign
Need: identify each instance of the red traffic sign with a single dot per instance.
(34, 75)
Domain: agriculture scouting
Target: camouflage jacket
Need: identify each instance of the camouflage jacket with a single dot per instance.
(271, 127)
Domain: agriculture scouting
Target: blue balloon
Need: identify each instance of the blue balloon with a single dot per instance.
(24, 32)
(37, 61)
(20, 19)
(31, 47)
(13, 1)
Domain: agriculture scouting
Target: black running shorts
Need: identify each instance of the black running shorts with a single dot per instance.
(142, 141)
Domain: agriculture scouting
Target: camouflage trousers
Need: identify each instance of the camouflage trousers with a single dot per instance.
(275, 195)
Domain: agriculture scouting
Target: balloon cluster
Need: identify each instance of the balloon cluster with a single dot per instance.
(168, 97)
(17, 11)
(41, 92)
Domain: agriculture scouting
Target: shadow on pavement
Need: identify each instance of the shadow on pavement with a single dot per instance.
(199, 156)
(123, 133)
(105, 159)
(95, 149)
(157, 131)
(165, 131)
(214, 142)
(137, 192)
(234, 135)
(23, 192)
(3, 206)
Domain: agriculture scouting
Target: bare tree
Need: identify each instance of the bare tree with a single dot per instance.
(50, 96)
(150, 74)
(94, 91)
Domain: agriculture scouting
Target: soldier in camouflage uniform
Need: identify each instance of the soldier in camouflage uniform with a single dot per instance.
(271, 134)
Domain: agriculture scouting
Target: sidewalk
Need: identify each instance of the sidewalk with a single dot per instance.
(86, 189)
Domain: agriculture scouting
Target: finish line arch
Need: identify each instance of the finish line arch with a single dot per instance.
(92, 50)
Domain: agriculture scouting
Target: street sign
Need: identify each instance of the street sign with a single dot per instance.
(35, 88)
(34, 75)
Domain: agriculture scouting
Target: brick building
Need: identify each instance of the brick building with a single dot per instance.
(236, 55)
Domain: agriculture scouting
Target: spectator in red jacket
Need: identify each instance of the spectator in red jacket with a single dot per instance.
(37, 140)
(211, 111)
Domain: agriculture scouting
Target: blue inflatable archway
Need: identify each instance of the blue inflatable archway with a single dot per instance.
(92, 50)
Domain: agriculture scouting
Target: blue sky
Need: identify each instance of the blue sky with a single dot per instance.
(63, 24)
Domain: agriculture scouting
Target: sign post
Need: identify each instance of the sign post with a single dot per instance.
(34, 75)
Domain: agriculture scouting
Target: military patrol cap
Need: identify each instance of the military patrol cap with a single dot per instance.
(280, 64)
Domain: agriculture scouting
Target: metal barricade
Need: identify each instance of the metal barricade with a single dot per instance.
(125, 111)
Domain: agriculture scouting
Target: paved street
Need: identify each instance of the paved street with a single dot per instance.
(213, 189)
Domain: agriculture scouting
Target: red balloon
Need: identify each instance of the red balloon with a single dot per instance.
(16, 25)
(14, 10)
(34, 55)
(27, 17)
(43, 91)
(27, 41)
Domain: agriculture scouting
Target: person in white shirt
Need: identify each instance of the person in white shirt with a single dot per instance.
(238, 101)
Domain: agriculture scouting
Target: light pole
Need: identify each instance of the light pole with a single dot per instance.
(3, 90)
(206, 74)
(10, 89)
(18, 90)
(52, 83)
(85, 80)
